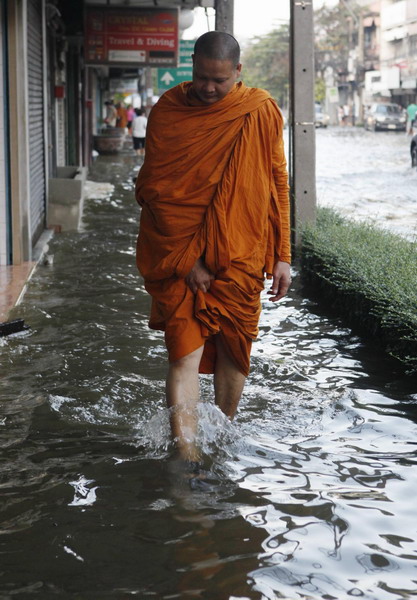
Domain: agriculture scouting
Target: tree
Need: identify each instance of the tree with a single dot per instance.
(334, 35)
(266, 64)
(320, 90)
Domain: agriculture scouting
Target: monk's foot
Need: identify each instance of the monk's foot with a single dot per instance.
(190, 472)
(193, 467)
(199, 485)
(196, 477)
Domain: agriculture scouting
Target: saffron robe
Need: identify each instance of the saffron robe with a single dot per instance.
(213, 185)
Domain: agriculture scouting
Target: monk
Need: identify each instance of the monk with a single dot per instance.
(121, 115)
(214, 222)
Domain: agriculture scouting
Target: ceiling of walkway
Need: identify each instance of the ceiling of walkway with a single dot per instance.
(72, 12)
(147, 3)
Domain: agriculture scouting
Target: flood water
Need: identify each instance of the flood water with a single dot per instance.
(313, 485)
(368, 175)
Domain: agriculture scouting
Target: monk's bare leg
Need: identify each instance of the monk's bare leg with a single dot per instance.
(182, 392)
(228, 381)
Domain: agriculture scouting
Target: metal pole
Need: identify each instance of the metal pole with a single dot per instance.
(302, 134)
(224, 15)
(149, 88)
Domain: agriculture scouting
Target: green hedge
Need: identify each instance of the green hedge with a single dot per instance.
(369, 276)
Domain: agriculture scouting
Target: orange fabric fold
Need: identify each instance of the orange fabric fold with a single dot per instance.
(213, 185)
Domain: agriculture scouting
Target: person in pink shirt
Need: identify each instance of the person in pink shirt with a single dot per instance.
(130, 117)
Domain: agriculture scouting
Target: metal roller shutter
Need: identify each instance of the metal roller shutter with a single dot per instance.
(36, 118)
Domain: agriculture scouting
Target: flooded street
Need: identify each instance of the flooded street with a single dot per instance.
(368, 175)
(313, 484)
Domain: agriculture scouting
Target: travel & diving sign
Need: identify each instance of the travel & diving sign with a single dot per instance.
(131, 36)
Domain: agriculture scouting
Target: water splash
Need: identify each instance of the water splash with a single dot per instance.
(84, 492)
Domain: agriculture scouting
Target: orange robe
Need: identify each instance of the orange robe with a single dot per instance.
(213, 185)
(121, 117)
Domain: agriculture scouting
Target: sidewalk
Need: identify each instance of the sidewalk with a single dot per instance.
(13, 278)
(13, 281)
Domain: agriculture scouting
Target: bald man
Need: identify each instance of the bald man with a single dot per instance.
(214, 223)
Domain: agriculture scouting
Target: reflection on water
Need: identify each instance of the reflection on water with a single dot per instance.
(312, 486)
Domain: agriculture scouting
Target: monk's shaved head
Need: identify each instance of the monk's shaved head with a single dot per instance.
(216, 66)
(218, 45)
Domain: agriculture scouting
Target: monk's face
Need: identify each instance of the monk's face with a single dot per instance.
(213, 79)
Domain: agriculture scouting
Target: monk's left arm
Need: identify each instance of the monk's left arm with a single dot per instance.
(281, 275)
(281, 281)
(280, 176)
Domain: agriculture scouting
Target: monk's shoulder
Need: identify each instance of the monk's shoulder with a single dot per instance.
(261, 98)
(174, 97)
(267, 105)
(259, 93)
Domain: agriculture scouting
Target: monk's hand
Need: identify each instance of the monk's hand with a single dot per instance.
(199, 278)
(281, 281)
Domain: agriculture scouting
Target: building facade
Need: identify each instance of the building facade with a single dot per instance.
(42, 90)
(382, 57)
(396, 77)
(52, 106)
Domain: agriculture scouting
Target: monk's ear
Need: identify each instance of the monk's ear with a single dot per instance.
(239, 69)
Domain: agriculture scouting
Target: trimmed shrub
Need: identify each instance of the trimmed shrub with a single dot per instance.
(369, 276)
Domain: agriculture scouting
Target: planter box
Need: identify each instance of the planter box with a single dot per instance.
(108, 143)
(65, 198)
(113, 131)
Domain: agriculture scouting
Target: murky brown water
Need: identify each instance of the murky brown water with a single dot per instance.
(314, 483)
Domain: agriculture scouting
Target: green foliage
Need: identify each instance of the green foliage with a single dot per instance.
(266, 64)
(320, 90)
(118, 97)
(370, 275)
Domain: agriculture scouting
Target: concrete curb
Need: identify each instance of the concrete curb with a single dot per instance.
(14, 278)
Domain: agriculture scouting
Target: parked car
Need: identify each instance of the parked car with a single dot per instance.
(413, 150)
(320, 118)
(385, 116)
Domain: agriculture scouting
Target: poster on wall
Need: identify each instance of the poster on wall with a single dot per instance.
(131, 36)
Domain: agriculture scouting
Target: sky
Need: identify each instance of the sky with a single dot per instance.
(248, 23)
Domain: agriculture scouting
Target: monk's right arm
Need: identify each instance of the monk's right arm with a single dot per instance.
(199, 278)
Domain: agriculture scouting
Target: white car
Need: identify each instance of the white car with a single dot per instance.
(321, 119)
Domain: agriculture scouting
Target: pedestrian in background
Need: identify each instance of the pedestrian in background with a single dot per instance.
(111, 114)
(411, 117)
(130, 112)
(121, 116)
(139, 124)
(346, 114)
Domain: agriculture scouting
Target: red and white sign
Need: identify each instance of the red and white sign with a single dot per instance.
(140, 36)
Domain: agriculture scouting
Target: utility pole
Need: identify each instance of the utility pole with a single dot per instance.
(149, 88)
(224, 15)
(357, 22)
(302, 134)
(360, 67)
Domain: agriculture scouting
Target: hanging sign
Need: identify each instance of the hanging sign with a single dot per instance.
(123, 86)
(167, 78)
(127, 36)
